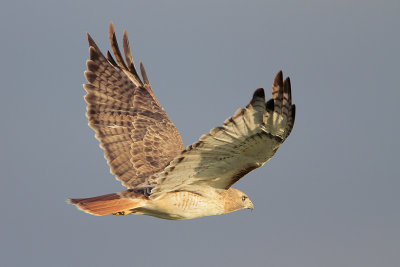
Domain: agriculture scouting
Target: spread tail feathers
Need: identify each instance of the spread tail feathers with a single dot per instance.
(106, 204)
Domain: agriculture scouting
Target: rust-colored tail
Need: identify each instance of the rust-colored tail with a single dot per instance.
(105, 204)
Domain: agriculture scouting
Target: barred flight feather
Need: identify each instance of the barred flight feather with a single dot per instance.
(145, 151)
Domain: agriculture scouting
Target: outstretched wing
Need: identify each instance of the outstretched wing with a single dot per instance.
(136, 134)
(246, 141)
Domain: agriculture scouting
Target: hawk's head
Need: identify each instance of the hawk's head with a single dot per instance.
(236, 200)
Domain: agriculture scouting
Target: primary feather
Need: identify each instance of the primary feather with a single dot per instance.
(145, 150)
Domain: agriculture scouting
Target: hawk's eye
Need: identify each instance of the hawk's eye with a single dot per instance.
(244, 198)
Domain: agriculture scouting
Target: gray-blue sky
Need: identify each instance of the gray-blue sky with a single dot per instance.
(330, 196)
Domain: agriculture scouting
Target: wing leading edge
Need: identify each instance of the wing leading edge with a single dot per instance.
(246, 141)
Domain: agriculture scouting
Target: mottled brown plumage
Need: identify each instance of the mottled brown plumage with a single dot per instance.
(133, 129)
(145, 151)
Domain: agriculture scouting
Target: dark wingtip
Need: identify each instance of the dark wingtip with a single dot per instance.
(293, 112)
(270, 105)
(278, 81)
(286, 84)
(259, 92)
(287, 81)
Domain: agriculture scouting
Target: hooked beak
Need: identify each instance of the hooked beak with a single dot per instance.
(251, 207)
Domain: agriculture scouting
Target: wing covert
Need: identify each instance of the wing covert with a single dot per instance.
(246, 141)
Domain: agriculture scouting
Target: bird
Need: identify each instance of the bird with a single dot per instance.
(146, 154)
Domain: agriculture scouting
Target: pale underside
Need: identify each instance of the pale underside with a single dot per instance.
(180, 205)
(145, 151)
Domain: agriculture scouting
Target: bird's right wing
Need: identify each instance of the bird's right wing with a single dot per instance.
(246, 141)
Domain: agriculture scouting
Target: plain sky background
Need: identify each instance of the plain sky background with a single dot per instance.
(330, 197)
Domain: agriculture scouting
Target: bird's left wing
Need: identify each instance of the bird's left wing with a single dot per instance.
(135, 132)
(246, 141)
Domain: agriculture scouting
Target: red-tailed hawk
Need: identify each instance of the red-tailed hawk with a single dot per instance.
(145, 151)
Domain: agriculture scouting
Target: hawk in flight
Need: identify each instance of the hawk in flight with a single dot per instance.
(146, 153)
